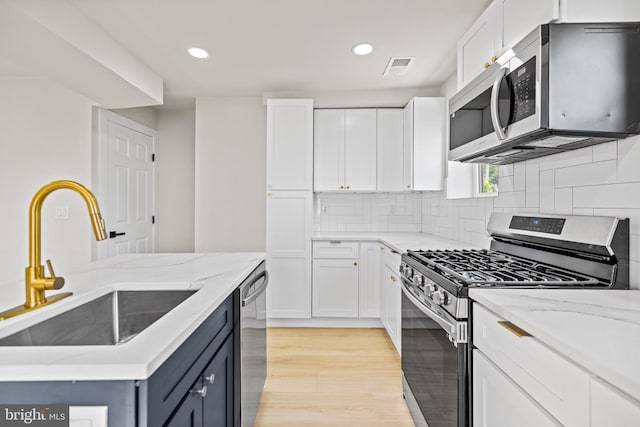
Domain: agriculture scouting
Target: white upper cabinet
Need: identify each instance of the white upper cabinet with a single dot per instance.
(424, 144)
(390, 149)
(480, 45)
(360, 149)
(520, 17)
(289, 144)
(506, 22)
(345, 150)
(328, 150)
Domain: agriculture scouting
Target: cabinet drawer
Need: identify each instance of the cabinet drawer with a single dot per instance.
(169, 384)
(335, 249)
(391, 258)
(558, 385)
(611, 407)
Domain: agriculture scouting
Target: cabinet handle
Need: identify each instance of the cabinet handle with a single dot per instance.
(494, 58)
(394, 278)
(487, 65)
(348, 187)
(335, 242)
(408, 186)
(355, 264)
(520, 333)
(210, 379)
(201, 392)
(342, 187)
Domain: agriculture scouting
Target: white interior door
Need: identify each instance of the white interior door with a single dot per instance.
(130, 189)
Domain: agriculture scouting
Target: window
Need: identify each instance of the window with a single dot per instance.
(487, 179)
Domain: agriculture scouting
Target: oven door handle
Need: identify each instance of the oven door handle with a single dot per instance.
(456, 330)
(495, 113)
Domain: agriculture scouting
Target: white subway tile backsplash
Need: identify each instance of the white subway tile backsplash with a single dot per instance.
(513, 199)
(547, 192)
(583, 211)
(564, 201)
(606, 151)
(568, 158)
(532, 184)
(519, 176)
(505, 170)
(629, 159)
(505, 183)
(588, 174)
(626, 195)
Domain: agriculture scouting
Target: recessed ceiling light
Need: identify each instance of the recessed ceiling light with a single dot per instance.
(362, 49)
(196, 52)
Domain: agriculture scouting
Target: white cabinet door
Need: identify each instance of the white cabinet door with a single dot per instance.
(335, 288)
(369, 278)
(480, 45)
(499, 402)
(611, 407)
(289, 144)
(428, 143)
(520, 17)
(391, 302)
(328, 149)
(289, 223)
(360, 149)
(407, 147)
(600, 11)
(390, 149)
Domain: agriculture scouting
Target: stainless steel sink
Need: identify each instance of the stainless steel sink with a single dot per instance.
(111, 319)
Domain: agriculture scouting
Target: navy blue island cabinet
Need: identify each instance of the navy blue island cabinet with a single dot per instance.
(198, 385)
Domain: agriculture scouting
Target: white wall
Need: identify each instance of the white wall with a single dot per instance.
(176, 180)
(230, 178)
(144, 115)
(46, 136)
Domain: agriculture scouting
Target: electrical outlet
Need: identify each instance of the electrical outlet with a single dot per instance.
(62, 212)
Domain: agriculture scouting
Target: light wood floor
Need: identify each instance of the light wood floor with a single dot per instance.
(332, 377)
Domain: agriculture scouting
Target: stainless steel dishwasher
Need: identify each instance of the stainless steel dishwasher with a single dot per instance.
(253, 342)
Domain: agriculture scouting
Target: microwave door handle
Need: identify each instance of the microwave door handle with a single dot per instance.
(495, 116)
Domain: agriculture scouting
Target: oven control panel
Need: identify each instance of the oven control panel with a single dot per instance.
(540, 225)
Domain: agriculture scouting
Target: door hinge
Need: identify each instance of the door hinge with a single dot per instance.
(153, 219)
(153, 157)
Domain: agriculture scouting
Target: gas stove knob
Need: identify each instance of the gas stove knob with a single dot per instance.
(440, 297)
(429, 289)
(418, 280)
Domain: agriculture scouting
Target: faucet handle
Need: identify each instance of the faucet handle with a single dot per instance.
(58, 282)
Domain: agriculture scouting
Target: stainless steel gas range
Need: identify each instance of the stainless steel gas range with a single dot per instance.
(527, 251)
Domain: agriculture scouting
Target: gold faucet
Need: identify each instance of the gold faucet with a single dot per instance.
(35, 280)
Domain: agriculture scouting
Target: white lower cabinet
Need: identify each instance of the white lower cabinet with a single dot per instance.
(500, 402)
(335, 288)
(369, 280)
(518, 380)
(391, 295)
(289, 222)
(611, 407)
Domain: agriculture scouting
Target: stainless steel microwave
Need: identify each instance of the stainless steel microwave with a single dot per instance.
(563, 87)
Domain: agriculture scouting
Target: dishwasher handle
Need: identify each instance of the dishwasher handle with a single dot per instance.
(248, 299)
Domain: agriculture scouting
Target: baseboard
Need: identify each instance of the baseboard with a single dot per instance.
(325, 322)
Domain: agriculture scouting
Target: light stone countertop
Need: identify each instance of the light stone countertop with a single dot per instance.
(401, 242)
(598, 330)
(216, 275)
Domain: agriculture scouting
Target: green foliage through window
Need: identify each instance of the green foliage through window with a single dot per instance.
(488, 179)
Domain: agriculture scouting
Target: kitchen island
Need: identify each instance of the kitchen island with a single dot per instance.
(573, 351)
(197, 328)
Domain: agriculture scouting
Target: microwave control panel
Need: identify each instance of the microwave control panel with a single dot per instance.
(523, 90)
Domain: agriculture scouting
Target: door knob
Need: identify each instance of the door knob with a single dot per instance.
(114, 234)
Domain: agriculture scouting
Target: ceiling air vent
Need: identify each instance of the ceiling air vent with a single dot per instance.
(398, 65)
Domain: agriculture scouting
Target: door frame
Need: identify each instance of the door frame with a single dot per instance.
(99, 160)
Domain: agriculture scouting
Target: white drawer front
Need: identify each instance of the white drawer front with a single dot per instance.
(392, 259)
(335, 249)
(558, 385)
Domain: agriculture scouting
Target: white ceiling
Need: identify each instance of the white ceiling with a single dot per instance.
(259, 46)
